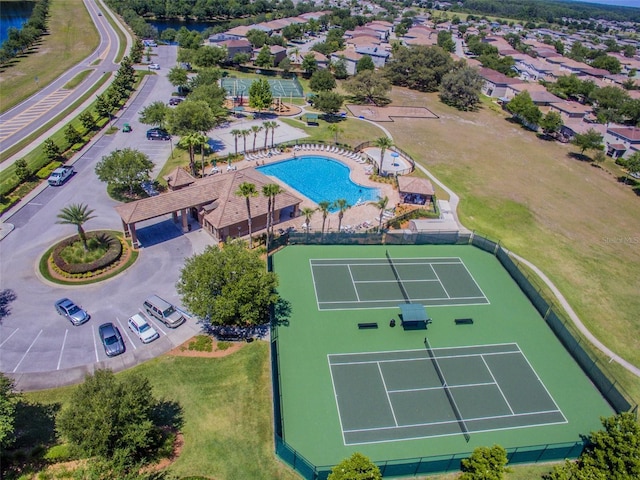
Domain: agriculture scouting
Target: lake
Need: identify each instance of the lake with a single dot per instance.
(13, 14)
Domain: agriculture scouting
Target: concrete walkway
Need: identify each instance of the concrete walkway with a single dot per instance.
(454, 200)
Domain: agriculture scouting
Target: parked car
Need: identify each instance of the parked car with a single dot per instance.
(158, 134)
(163, 311)
(71, 311)
(175, 100)
(60, 175)
(138, 324)
(111, 339)
(154, 66)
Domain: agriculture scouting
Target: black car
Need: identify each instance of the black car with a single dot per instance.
(175, 100)
(158, 134)
(111, 339)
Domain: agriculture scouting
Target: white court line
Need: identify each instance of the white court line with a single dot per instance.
(497, 384)
(313, 280)
(541, 382)
(64, 341)
(25, 353)
(386, 391)
(9, 337)
(435, 349)
(474, 281)
(353, 282)
(395, 281)
(335, 396)
(438, 277)
(466, 385)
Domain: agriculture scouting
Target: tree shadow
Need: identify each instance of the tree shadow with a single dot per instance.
(579, 156)
(168, 414)
(6, 297)
(281, 313)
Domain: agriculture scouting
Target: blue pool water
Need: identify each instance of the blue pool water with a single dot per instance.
(320, 178)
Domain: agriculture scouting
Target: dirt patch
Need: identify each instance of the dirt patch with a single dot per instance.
(386, 114)
(183, 350)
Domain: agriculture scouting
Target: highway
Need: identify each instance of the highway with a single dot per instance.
(25, 118)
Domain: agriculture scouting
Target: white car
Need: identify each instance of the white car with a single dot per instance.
(139, 325)
(154, 66)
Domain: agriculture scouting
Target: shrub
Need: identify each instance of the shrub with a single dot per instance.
(58, 453)
(45, 171)
(202, 343)
(113, 254)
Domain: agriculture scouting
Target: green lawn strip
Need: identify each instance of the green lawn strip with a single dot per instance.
(72, 37)
(354, 131)
(226, 406)
(77, 80)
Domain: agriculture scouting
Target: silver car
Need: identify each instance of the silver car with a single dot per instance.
(111, 339)
(68, 309)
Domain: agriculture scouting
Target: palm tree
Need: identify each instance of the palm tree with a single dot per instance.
(274, 125)
(324, 207)
(383, 143)
(342, 205)
(270, 190)
(247, 190)
(245, 134)
(266, 126)
(255, 129)
(236, 133)
(382, 205)
(76, 214)
(189, 142)
(335, 129)
(308, 213)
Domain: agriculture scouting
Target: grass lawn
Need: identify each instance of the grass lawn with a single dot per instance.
(568, 217)
(73, 36)
(353, 131)
(226, 405)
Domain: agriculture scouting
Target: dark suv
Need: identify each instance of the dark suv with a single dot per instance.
(158, 134)
(175, 100)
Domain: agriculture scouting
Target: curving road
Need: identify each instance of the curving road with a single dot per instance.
(25, 118)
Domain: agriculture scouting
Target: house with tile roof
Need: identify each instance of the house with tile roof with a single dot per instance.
(495, 83)
(622, 142)
(211, 201)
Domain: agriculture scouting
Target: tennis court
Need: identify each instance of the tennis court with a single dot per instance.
(424, 393)
(353, 283)
(347, 377)
(279, 87)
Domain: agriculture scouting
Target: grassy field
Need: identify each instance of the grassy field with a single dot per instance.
(226, 406)
(226, 403)
(73, 37)
(575, 221)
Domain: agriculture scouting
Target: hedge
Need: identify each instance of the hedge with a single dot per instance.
(112, 255)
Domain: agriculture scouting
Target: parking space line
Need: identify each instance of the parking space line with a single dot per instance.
(126, 332)
(157, 324)
(7, 339)
(95, 347)
(25, 353)
(64, 341)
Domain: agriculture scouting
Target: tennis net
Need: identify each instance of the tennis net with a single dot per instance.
(447, 391)
(395, 274)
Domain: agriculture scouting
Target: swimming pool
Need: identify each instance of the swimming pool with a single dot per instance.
(320, 178)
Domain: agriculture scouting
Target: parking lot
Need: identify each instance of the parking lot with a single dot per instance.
(42, 349)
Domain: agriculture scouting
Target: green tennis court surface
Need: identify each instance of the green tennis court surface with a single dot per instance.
(399, 395)
(279, 87)
(349, 283)
(340, 388)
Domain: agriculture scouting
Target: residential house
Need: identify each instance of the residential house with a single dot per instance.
(495, 83)
(234, 47)
(539, 94)
(377, 54)
(571, 110)
(622, 141)
(350, 57)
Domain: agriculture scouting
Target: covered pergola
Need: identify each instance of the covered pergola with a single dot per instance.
(416, 191)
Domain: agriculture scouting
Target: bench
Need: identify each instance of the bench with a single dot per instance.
(415, 324)
(365, 326)
(463, 321)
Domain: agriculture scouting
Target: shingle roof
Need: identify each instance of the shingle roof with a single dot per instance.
(630, 133)
(415, 185)
(179, 178)
(231, 210)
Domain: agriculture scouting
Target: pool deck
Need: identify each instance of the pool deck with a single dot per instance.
(354, 217)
